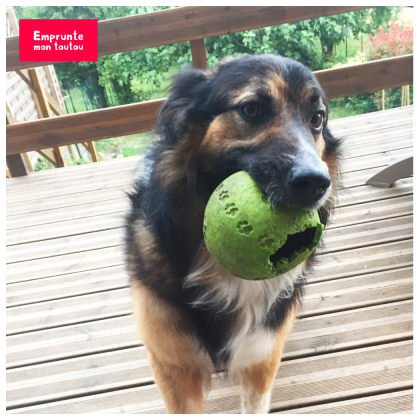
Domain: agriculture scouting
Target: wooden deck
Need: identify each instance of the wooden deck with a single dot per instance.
(72, 346)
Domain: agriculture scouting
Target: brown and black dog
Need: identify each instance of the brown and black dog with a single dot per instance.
(266, 115)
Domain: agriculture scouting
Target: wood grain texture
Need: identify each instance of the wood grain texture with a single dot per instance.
(297, 384)
(198, 53)
(52, 102)
(367, 77)
(84, 126)
(16, 165)
(141, 117)
(391, 402)
(183, 24)
(72, 345)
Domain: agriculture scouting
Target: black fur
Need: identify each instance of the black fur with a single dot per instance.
(175, 215)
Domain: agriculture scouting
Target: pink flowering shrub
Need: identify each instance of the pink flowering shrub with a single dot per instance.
(398, 40)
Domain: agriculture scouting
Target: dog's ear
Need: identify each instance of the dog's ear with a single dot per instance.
(182, 106)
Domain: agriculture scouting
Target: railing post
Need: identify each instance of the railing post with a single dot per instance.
(45, 111)
(19, 167)
(199, 55)
(42, 99)
(16, 164)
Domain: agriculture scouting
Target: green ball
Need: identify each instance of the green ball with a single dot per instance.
(252, 239)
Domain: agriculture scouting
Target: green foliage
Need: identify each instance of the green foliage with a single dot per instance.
(82, 161)
(141, 75)
(396, 40)
(43, 164)
(334, 29)
(294, 40)
(118, 70)
(309, 41)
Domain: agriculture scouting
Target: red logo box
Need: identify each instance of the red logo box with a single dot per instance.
(58, 40)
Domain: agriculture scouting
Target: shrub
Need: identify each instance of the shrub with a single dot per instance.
(397, 41)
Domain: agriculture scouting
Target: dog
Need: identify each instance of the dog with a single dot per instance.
(266, 115)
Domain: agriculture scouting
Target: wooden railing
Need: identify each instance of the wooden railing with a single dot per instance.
(178, 25)
(183, 24)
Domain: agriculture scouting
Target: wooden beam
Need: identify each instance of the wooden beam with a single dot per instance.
(28, 162)
(42, 104)
(54, 105)
(198, 53)
(90, 147)
(83, 126)
(16, 165)
(59, 157)
(141, 117)
(366, 77)
(36, 80)
(183, 24)
(74, 152)
(49, 155)
(10, 116)
(11, 119)
(45, 112)
(55, 92)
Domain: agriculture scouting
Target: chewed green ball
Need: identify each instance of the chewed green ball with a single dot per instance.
(252, 239)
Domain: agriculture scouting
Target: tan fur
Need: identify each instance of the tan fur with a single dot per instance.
(260, 377)
(173, 355)
(277, 87)
(227, 131)
(219, 135)
(179, 365)
(152, 257)
(172, 166)
(320, 147)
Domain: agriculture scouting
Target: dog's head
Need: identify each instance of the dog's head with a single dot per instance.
(266, 115)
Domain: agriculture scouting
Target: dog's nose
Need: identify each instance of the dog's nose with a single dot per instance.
(307, 185)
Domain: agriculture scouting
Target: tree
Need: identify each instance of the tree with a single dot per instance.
(298, 40)
(69, 73)
(334, 29)
(108, 69)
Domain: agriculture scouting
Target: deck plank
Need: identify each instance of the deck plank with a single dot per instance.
(72, 345)
(346, 329)
(390, 403)
(106, 231)
(320, 378)
(77, 212)
(67, 285)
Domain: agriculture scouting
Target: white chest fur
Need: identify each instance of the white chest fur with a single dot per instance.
(250, 342)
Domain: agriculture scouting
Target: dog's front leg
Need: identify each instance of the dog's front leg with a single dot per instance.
(257, 380)
(181, 386)
(176, 365)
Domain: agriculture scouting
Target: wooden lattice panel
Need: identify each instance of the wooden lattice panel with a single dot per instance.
(20, 96)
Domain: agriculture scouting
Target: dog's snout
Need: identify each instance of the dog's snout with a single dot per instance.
(307, 184)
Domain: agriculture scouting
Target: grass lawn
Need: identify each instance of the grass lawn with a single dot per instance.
(78, 102)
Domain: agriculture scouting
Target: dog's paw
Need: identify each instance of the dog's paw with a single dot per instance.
(253, 402)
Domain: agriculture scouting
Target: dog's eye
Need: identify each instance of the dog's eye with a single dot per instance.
(250, 110)
(317, 119)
